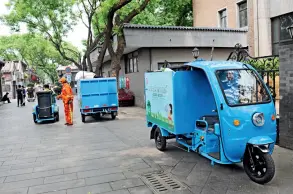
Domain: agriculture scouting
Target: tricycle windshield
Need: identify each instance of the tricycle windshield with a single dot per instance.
(242, 87)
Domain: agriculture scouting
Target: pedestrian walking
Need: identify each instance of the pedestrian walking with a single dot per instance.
(19, 93)
(67, 98)
(24, 95)
(5, 98)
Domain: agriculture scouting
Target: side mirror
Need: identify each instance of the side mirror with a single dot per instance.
(217, 129)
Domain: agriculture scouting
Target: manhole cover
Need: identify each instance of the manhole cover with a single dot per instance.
(161, 182)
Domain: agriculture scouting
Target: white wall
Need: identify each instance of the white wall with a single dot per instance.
(262, 28)
(280, 7)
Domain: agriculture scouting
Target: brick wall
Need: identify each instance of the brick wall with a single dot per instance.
(286, 94)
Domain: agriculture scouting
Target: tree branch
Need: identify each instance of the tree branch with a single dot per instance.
(135, 12)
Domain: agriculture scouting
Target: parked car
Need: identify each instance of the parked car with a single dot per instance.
(126, 97)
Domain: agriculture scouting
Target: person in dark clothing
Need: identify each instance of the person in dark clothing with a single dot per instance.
(24, 94)
(19, 92)
(5, 98)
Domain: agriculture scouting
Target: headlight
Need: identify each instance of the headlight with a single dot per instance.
(258, 119)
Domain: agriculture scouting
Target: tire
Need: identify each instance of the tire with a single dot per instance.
(97, 116)
(35, 118)
(57, 117)
(113, 116)
(133, 101)
(83, 118)
(161, 142)
(264, 161)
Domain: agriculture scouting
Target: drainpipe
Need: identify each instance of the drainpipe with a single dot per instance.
(257, 19)
(151, 58)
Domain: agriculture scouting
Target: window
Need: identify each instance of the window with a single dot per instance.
(242, 87)
(242, 7)
(279, 31)
(131, 65)
(223, 18)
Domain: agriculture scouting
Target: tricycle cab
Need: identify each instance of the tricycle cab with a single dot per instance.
(46, 109)
(217, 108)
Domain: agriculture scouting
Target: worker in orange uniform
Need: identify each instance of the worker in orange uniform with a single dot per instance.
(67, 98)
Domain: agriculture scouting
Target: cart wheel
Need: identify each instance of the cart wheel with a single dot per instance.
(83, 118)
(260, 168)
(160, 141)
(133, 101)
(97, 116)
(35, 118)
(57, 117)
(113, 116)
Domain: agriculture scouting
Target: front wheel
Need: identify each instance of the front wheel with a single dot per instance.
(161, 142)
(35, 118)
(259, 166)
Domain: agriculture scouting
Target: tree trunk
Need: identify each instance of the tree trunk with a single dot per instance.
(84, 66)
(115, 68)
(89, 63)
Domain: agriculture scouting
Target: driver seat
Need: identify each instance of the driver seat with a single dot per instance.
(211, 120)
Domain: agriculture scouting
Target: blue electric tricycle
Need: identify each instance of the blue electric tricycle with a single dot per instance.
(97, 97)
(46, 109)
(221, 110)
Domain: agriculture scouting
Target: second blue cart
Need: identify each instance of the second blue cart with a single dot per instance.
(97, 97)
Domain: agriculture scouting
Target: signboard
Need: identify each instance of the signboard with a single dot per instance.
(68, 70)
(68, 78)
(159, 99)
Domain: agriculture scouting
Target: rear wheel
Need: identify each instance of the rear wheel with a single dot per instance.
(83, 118)
(97, 116)
(35, 118)
(259, 166)
(113, 115)
(161, 142)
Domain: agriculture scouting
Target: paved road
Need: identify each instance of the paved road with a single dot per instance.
(111, 157)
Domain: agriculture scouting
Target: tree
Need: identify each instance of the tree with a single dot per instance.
(123, 16)
(52, 19)
(89, 9)
(37, 52)
(166, 13)
(124, 11)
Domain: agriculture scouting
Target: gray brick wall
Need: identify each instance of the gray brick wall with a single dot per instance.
(286, 95)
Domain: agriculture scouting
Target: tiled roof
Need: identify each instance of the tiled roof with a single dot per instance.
(11, 66)
(138, 26)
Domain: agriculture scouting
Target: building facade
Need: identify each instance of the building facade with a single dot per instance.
(1, 65)
(13, 74)
(148, 47)
(261, 18)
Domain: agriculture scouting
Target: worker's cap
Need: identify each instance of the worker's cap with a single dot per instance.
(62, 80)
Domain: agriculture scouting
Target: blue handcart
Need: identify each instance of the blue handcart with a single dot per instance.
(46, 109)
(219, 109)
(97, 97)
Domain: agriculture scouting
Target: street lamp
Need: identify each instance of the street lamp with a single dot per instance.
(290, 30)
(195, 53)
